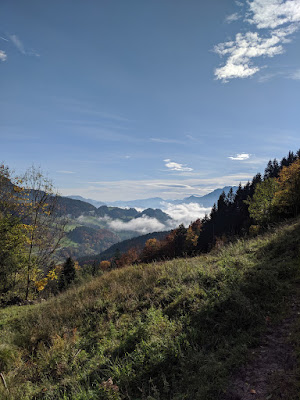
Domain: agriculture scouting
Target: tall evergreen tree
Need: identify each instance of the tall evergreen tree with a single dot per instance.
(68, 274)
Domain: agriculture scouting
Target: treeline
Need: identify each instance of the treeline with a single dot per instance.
(266, 199)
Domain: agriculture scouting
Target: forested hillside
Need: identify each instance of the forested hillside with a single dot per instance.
(116, 250)
(266, 200)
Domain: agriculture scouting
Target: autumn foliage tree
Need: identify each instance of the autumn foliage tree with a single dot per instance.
(128, 258)
(287, 197)
(279, 197)
(30, 230)
(45, 228)
(104, 265)
(150, 250)
(261, 205)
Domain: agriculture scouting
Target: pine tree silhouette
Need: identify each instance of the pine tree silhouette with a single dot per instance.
(67, 275)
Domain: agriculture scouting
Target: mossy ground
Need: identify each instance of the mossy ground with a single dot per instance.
(172, 330)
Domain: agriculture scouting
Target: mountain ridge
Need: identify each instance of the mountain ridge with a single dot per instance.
(206, 200)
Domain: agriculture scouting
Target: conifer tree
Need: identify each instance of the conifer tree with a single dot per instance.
(67, 275)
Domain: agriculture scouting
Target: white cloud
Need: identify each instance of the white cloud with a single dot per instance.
(65, 172)
(274, 13)
(232, 18)
(279, 18)
(240, 157)
(141, 225)
(180, 214)
(184, 213)
(241, 52)
(173, 166)
(3, 55)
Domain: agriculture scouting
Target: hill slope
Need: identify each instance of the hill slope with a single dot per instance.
(137, 243)
(172, 330)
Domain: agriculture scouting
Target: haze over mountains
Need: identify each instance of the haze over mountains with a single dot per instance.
(94, 226)
(157, 202)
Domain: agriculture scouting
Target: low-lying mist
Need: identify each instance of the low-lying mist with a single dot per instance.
(179, 214)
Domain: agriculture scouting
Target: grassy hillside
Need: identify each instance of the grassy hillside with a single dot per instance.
(172, 330)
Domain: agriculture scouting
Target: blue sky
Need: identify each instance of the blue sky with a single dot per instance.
(118, 100)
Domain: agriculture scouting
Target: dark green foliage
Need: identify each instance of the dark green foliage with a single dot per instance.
(179, 240)
(67, 275)
(74, 208)
(158, 214)
(128, 214)
(11, 256)
(272, 169)
(117, 213)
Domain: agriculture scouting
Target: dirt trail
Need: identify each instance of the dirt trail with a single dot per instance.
(271, 373)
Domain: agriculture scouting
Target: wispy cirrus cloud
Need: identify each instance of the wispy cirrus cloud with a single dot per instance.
(18, 44)
(167, 141)
(240, 157)
(3, 55)
(232, 17)
(295, 75)
(16, 41)
(279, 19)
(65, 172)
(174, 166)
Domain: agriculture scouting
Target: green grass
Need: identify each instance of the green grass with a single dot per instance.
(66, 242)
(172, 330)
(94, 222)
(71, 226)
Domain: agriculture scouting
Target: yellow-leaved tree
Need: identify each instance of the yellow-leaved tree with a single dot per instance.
(45, 227)
(30, 232)
(287, 197)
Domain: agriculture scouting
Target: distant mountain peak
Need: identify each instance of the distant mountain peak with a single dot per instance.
(155, 203)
